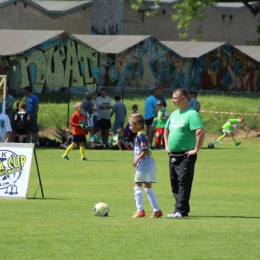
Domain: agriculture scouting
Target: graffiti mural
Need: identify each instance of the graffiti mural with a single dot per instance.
(226, 69)
(144, 66)
(55, 65)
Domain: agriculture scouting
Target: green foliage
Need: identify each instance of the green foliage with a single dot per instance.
(223, 222)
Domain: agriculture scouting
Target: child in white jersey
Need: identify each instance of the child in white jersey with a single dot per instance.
(145, 169)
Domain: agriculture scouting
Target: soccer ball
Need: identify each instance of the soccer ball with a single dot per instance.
(101, 209)
(210, 145)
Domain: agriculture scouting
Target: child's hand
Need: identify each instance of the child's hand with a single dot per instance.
(135, 163)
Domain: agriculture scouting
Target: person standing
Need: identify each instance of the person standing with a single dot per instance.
(119, 109)
(32, 108)
(150, 112)
(192, 101)
(104, 105)
(20, 122)
(88, 109)
(77, 121)
(5, 127)
(145, 173)
(161, 120)
(9, 103)
(160, 97)
(184, 137)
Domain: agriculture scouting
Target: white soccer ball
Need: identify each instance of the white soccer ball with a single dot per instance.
(101, 209)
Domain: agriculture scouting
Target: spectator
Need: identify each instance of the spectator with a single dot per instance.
(88, 109)
(192, 101)
(161, 119)
(32, 108)
(195, 95)
(119, 109)
(150, 113)
(104, 105)
(95, 111)
(5, 127)
(96, 140)
(9, 103)
(66, 140)
(20, 121)
(117, 140)
(160, 97)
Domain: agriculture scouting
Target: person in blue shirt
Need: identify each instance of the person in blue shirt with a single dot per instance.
(32, 108)
(150, 112)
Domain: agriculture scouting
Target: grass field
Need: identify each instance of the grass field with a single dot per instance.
(223, 222)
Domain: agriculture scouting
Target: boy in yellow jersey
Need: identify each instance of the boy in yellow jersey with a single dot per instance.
(78, 121)
(145, 168)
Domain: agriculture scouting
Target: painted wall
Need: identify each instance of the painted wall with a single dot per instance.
(53, 65)
(146, 65)
(62, 62)
(226, 69)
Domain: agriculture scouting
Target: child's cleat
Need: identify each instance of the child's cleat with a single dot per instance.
(238, 143)
(84, 159)
(217, 142)
(157, 214)
(65, 157)
(139, 214)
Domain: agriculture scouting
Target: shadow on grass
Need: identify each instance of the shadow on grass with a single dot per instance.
(243, 217)
(34, 198)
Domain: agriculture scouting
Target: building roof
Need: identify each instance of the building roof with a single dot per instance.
(110, 43)
(192, 49)
(14, 42)
(237, 5)
(52, 7)
(251, 51)
(59, 7)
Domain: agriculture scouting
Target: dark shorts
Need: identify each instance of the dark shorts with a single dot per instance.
(149, 121)
(104, 123)
(79, 139)
(33, 125)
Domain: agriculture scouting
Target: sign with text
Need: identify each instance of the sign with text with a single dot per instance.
(15, 167)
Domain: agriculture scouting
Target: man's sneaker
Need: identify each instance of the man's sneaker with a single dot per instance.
(175, 215)
(157, 214)
(178, 215)
(217, 142)
(238, 143)
(65, 157)
(139, 214)
(84, 159)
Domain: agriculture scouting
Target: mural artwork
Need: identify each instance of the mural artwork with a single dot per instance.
(227, 69)
(146, 65)
(55, 65)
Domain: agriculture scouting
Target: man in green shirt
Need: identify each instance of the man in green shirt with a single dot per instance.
(228, 128)
(184, 136)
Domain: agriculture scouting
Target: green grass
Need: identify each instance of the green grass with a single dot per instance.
(223, 222)
(55, 114)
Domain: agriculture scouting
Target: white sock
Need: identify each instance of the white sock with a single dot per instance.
(152, 199)
(138, 198)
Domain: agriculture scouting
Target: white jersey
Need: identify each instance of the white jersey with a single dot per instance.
(5, 126)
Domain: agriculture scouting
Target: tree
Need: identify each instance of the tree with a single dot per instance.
(188, 10)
